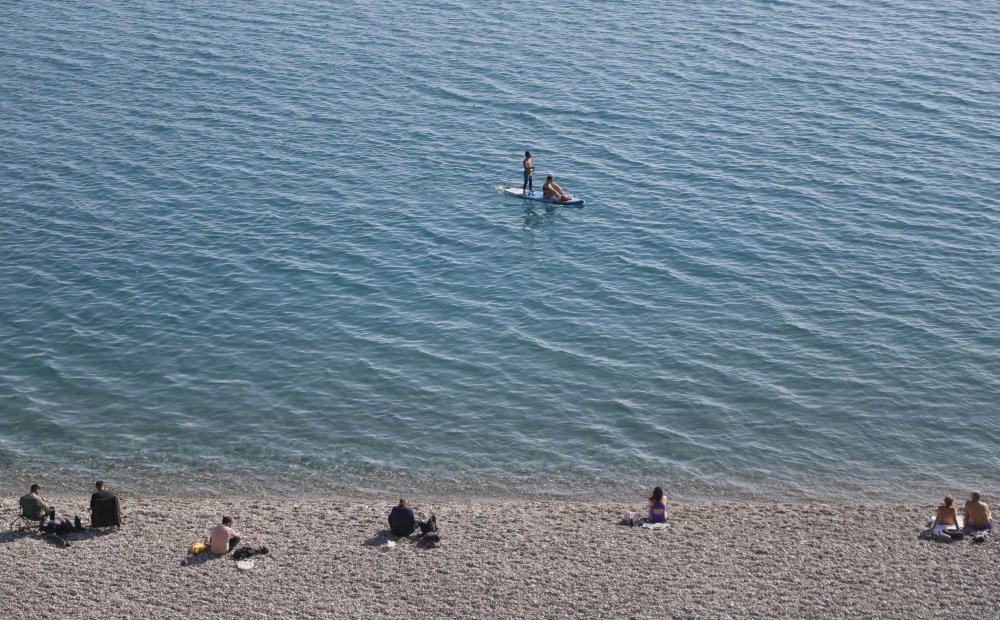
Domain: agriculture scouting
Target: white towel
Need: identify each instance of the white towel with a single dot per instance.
(937, 529)
(654, 526)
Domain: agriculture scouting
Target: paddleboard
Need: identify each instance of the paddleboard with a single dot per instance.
(517, 192)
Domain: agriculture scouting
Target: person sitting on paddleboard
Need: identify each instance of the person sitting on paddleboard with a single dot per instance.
(528, 169)
(552, 190)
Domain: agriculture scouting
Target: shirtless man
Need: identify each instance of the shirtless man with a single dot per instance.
(551, 189)
(978, 516)
(222, 538)
(528, 169)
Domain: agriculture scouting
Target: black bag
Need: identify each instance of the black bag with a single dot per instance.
(58, 527)
(429, 526)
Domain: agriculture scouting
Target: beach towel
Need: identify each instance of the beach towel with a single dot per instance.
(654, 526)
(940, 529)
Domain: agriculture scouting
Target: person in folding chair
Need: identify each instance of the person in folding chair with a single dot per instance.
(105, 510)
(34, 509)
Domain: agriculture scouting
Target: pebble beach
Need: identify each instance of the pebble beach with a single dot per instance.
(501, 559)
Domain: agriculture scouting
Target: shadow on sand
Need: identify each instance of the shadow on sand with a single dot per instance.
(384, 536)
(73, 537)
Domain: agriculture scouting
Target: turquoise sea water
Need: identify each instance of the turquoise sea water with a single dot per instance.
(261, 246)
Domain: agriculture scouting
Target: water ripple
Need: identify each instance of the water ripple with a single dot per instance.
(281, 223)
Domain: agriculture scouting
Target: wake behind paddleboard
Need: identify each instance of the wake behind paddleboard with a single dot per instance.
(537, 196)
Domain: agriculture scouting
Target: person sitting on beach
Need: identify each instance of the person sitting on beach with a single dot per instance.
(551, 189)
(105, 511)
(657, 507)
(403, 522)
(222, 538)
(34, 506)
(100, 494)
(978, 516)
(947, 517)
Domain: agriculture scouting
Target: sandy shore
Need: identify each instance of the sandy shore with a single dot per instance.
(511, 560)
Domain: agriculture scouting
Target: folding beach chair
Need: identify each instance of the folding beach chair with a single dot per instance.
(25, 521)
(22, 522)
(107, 513)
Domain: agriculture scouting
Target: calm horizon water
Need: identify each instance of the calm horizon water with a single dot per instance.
(254, 247)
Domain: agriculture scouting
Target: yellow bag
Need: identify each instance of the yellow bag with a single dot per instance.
(196, 548)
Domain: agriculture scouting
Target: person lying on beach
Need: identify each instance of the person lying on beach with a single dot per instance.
(34, 506)
(657, 507)
(947, 517)
(403, 521)
(978, 516)
(222, 538)
(551, 189)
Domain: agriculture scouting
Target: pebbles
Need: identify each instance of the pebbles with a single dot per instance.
(333, 558)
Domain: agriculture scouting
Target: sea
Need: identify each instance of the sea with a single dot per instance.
(262, 248)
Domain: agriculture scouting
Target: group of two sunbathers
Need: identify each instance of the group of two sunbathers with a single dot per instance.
(977, 516)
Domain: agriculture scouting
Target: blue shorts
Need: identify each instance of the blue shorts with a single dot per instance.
(989, 526)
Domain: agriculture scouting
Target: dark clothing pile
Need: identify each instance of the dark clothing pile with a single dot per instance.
(58, 527)
(248, 552)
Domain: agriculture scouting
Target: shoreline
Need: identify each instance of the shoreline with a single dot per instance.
(510, 559)
(489, 490)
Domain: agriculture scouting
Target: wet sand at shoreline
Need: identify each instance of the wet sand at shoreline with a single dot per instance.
(515, 559)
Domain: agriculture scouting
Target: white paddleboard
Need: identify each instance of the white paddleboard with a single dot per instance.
(517, 192)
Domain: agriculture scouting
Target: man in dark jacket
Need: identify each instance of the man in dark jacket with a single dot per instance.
(102, 493)
(402, 521)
